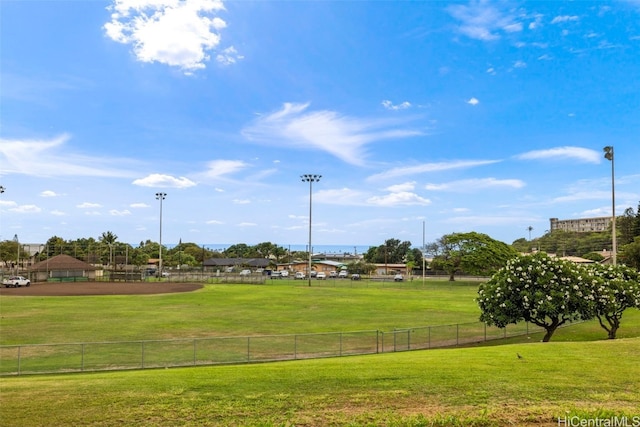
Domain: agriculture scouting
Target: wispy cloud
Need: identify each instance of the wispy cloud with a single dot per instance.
(175, 33)
(46, 157)
(470, 185)
(564, 18)
(217, 169)
(400, 198)
(163, 181)
(344, 137)
(483, 20)
(430, 167)
(473, 101)
(580, 154)
(391, 106)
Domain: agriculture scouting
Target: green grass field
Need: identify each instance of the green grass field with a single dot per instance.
(579, 373)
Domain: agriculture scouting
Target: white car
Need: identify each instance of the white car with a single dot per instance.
(16, 282)
(321, 275)
(245, 273)
(284, 273)
(343, 274)
(299, 275)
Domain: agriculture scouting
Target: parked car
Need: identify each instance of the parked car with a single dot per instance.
(245, 273)
(275, 275)
(355, 276)
(333, 274)
(313, 273)
(398, 278)
(16, 282)
(299, 275)
(343, 274)
(321, 275)
(284, 273)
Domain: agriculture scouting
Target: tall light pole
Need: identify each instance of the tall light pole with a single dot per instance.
(608, 154)
(310, 178)
(160, 196)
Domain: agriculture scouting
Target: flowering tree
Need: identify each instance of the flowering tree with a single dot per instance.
(545, 291)
(617, 289)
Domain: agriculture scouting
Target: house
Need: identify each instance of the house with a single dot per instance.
(62, 267)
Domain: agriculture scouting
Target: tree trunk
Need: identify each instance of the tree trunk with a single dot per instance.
(550, 330)
(452, 277)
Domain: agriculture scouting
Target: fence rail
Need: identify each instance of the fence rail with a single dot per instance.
(126, 355)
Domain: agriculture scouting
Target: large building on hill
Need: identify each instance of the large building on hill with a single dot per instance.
(581, 225)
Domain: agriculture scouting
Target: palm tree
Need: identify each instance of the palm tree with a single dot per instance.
(108, 238)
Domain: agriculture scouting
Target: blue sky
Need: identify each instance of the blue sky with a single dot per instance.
(485, 116)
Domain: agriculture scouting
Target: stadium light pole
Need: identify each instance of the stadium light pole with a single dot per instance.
(310, 178)
(161, 197)
(608, 154)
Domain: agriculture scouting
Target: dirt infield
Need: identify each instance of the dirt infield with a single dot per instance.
(100, 288)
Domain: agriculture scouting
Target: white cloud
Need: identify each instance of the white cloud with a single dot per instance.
(467, 185)
(407, 186)
(45, 157)
(48, 193)
(241, 201)
(390, 106)
(176, 33)
(401, 198)
(139, 205)
(58, 213)
(247, 224)
(88, 205)
(218, 168)
(115, 212)
(584, 155)
(26, 209)
(430, 167)
(229, 56)
(519, 64)
(341, 136)
(564, 18)
(482, 20)
(164, 181)
(473, 101)
(214, 221)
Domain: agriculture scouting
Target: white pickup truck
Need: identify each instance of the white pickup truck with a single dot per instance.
(16, 282)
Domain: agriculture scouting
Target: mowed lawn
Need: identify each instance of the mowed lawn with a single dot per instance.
(279, 307)
(579, 374)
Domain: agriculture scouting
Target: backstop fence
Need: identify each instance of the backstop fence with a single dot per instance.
(125, 355)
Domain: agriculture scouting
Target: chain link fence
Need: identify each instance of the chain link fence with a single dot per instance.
(125, 355)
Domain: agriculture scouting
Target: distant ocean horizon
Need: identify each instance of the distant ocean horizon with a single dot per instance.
(327, 249)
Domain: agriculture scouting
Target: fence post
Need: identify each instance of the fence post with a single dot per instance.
(194, 352)
(295, 346)
(408, 339)
(248, 349)
(82, 359)
(429, 335)
(19, 358)
(142, 354)
(340, 343)
(457, 333)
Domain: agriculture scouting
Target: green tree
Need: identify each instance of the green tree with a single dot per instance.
(472, 253)
(630, 253)
(545, 291)
(393, 251)
(617, 289)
